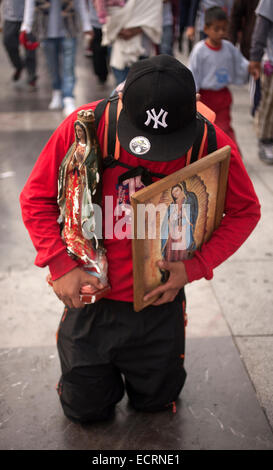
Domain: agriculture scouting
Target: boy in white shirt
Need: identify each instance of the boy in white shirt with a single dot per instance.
(215, 64)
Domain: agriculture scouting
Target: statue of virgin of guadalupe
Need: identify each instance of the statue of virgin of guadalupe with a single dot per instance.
(79, 187)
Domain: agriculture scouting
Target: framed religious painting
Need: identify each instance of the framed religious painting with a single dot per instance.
(174, 216)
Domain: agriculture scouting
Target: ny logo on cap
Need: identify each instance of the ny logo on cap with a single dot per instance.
(156, 118)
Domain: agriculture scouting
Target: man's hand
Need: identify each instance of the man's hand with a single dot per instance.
(128, 33)
(255, 69)
(67, 287)
(190, 32)
(178, 278)
(89, 35)
(27, 42)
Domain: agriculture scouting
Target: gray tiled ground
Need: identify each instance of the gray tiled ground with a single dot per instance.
(250, 314)
(217, 410)
(257, 352)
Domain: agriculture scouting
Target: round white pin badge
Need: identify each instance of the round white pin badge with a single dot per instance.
(140, 145)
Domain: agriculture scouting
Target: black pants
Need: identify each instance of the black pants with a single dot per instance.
(103, 342)
(11, 31)
(99, 56)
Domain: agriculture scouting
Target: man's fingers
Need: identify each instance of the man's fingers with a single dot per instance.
(167, 265)
(164, 287)
(70, 299)
(68, 287)
(163, 264)
(158, 291)
(163, 299)
(73, 302)
(169, 290)
(77, 302)
(67, 302)
(93, 281)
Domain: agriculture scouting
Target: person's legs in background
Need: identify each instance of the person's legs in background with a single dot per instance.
(265, 119)
(184, 8)
(52, 52)
(166, 46)
(99, 56)
(220, 101)
(68, 46)
(11, 30)
(255, 94)
(120, 75)
(31, 65)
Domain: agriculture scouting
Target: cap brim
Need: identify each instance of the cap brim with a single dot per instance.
(163, 147)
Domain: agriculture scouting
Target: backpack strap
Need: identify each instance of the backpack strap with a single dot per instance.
(195, 149)
(111, 108)
(111, 118)
(117, 146)
(212, 141)
(205, 129)
(145, 173)
(100, 108)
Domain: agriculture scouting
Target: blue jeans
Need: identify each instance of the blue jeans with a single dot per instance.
(166, 46)
(60, 55)
(120, 75)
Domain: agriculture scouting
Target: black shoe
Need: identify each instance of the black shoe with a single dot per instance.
(102, 80)
(31, 84)
(17, 74)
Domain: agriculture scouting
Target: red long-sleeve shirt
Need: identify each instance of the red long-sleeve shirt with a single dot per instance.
(40, 212)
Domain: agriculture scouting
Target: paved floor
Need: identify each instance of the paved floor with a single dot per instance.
(227, 400)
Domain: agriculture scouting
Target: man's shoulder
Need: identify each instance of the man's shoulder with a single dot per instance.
(86, 106)
(73, 116)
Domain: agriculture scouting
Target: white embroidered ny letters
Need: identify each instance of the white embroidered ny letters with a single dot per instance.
(156, 118)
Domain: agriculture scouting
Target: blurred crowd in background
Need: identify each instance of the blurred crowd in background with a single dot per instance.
(117, 33)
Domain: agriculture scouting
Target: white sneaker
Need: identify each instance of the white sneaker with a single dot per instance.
(56, 100)
(69, 105)
(266, 152)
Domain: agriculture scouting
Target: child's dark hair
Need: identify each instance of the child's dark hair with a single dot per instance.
(214, 14)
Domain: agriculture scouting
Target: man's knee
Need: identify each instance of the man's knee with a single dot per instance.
(162, 398)
(89, 415)
(83, 402)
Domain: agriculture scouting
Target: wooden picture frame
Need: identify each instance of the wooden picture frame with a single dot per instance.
(202, 186)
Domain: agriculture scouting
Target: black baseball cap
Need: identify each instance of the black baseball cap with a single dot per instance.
(158, 118)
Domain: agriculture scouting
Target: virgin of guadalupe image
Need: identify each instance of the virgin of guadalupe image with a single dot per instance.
(79, 187)
(177, 230)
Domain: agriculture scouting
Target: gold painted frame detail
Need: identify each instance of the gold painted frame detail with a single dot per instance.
(203, 184)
